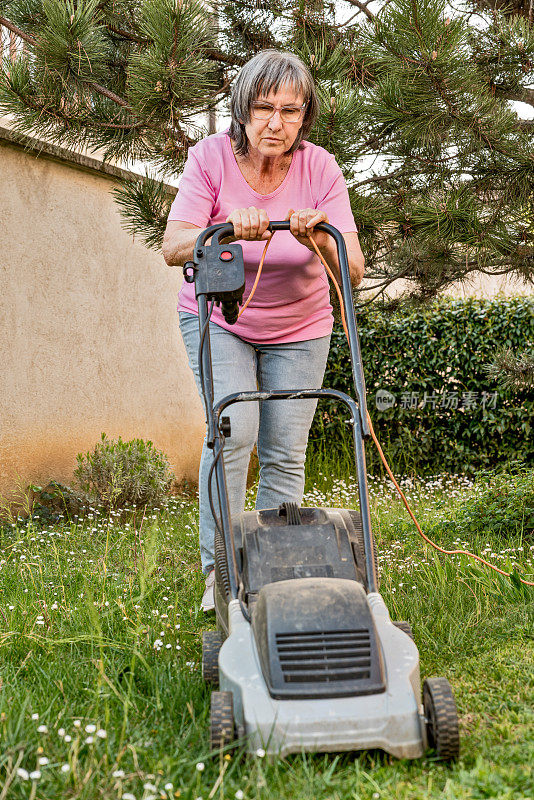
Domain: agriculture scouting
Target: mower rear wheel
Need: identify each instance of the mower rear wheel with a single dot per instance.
(222, 725)
(211, 644)
(406, 627)
(441, 718)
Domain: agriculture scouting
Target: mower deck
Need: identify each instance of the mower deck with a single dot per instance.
(391, 720)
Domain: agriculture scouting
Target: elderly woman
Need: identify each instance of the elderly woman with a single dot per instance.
(261, 169)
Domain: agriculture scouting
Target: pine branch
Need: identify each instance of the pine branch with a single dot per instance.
(96, 86)
(169, 132)
(225, 58)
(362, 7)
(211, 53)
(511, 8)
(146, 205)
(513, 370)
(524, 95)
(377, 179)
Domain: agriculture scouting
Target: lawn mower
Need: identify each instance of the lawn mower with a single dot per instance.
(305, 656)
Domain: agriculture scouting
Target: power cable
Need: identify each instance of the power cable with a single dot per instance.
(344, 322)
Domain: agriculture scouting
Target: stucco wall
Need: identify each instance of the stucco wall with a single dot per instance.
(89, 340)
(475, 285)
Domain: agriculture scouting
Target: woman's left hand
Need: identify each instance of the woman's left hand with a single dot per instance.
(302, 223)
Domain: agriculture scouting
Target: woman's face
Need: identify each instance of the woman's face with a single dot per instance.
(273, 137)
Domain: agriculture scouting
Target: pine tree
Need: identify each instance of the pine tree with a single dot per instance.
(423, 92)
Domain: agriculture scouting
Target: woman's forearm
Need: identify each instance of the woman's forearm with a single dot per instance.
(356, 269)
(178, 247)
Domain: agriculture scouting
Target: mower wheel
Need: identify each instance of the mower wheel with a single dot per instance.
(441, 718)
(222, 726)
(211, 644)
(406, 627)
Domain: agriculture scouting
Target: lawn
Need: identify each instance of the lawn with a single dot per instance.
(100, 688)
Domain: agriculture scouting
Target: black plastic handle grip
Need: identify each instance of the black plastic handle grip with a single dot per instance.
(224, 229)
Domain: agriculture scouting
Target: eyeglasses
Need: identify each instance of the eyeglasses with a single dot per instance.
(264, 110)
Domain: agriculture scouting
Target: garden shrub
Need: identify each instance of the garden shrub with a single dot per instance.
(502, 504)
(118, 473)
(448, 415)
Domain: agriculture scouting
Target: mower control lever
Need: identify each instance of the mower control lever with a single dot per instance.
(219, 273)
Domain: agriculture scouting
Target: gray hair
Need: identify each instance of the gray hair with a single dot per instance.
(269, 70)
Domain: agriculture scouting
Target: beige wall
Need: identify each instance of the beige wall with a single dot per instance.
(477, 285)
(89, 340)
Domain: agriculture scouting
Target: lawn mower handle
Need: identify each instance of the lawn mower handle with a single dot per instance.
(215, 435)
(224, 229)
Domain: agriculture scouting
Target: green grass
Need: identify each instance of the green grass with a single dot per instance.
(84, 605)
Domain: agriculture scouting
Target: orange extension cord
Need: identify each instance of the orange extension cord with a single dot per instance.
(342, 307)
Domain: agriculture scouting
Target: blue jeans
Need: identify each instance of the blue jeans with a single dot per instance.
(279, 428)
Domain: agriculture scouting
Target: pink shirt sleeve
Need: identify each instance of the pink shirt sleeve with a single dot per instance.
(333, 198)
(196, 195)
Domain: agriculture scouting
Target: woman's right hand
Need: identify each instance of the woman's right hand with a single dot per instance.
(249, 224)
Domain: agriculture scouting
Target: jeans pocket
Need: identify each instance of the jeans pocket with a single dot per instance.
(185, 317)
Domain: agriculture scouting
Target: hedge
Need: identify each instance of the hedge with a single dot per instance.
(447, 415)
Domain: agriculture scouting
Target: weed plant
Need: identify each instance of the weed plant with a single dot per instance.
(100, 635)
(502, 504)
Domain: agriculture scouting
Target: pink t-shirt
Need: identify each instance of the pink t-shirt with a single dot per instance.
(291, 302)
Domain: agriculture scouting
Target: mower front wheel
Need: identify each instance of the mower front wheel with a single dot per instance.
(441, 718)
(222, 724)
(406, 627)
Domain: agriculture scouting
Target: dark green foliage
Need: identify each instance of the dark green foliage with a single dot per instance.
(168, 71)
(54, 501)
(122, 473)
(70, 44)
(502, 505)
(342, 108)
(113, 76)
(441, 350)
